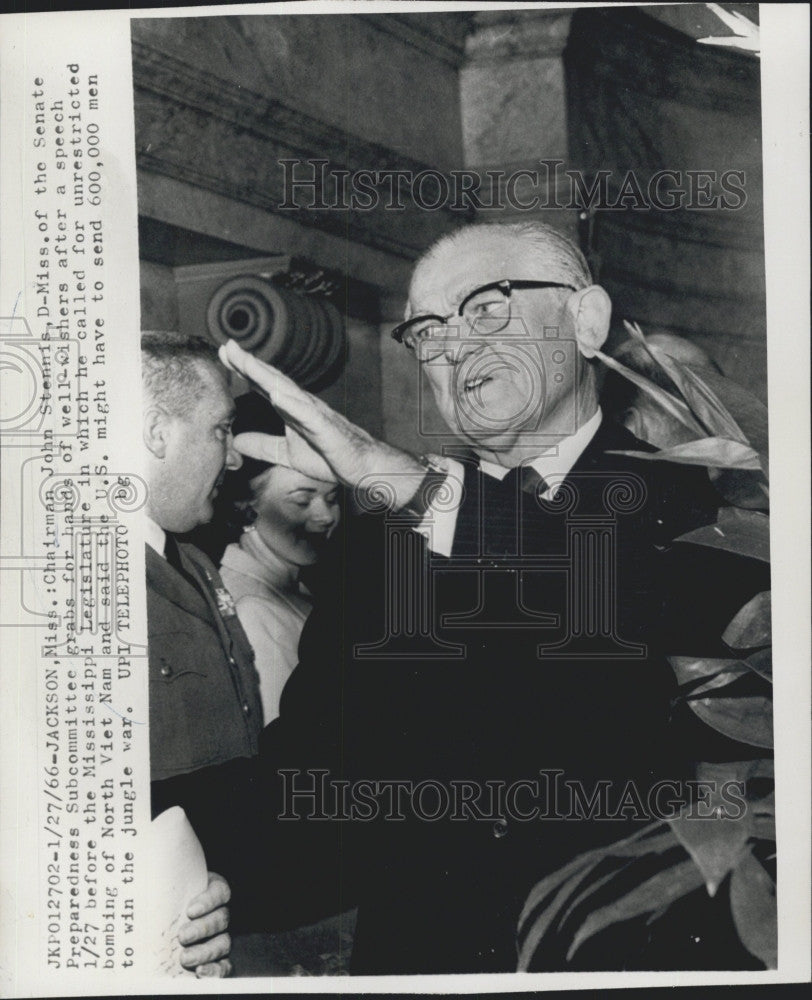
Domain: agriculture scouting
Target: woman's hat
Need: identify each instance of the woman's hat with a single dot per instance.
(255, 414)
(263, 439)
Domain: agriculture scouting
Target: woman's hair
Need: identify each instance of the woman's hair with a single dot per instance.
(233, 511)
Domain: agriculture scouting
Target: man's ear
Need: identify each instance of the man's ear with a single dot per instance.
(156, 423)
(591, 312)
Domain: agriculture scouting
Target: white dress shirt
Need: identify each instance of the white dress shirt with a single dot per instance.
(440, 521)
(156, 537)
(272, 607)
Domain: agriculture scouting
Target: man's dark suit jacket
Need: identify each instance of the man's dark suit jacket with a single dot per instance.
(450, 684)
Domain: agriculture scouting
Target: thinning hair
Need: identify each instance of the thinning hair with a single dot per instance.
(177, 370)
(557, 254)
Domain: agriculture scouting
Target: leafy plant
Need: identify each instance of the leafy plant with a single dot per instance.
(642, 876)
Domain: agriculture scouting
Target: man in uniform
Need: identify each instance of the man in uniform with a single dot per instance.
(205, 714)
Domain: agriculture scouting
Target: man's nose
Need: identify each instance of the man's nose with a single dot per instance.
(451, 341)
(445, 339)
(233, 457)
(457, 351)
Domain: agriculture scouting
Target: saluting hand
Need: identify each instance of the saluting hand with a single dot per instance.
(354, 457)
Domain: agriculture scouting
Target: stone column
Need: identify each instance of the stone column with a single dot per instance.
(514, 109)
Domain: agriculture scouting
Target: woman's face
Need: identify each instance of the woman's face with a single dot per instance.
(295, 514)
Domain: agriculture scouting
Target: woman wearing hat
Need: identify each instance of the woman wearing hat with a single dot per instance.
(284, 511)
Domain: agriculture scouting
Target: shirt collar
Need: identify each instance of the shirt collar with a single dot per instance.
(255, 559)
(156, 537)
(557, 460)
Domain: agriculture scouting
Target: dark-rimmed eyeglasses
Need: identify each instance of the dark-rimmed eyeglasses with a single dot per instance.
(486, 310)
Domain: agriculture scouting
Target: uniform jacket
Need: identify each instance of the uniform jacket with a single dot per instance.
(205, 712)
(204, 698)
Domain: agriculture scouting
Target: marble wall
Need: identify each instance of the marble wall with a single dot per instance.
(363, 75)
(644, 99)
(513, 104)
(220, 101)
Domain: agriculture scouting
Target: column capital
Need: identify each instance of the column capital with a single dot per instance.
(507, 35)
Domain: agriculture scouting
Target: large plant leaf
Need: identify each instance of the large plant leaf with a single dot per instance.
(703, 401)
(763, 817)
(644, 841)
(556, 889)
(720, 406)
(736, 770)
(550, 913)
(710, 452)
(763, 813)
(762, 663)
(717, 838)
(706, 673)
(716, 845)
(664, 842)
(764, 827)
(723, 679)
(692, 669)
(655, 893)
(764, 768)
(756, 778)
(577, 900)
(746, 409)
(704, 404)
(751, 626)
(752, 902)
(746, 488)
(744, 532)
(748, 719)
(550, 884)
(673, 406)
(631, 851)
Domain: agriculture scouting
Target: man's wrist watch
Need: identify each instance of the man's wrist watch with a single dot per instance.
(436, 475)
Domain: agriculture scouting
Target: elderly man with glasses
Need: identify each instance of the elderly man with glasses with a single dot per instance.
(486, 694)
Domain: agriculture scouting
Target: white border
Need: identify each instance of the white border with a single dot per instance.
(785, 102)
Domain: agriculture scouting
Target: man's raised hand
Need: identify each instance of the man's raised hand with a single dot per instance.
(354, 456)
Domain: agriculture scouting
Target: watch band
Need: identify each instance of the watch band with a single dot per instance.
(433, 480)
